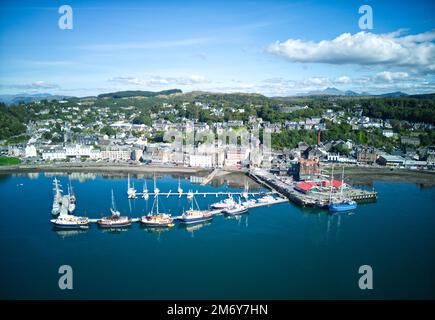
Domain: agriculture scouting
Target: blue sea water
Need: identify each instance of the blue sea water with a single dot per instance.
(275, 252)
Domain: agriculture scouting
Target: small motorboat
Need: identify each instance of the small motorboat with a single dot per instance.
(224, 204)
(236, 209)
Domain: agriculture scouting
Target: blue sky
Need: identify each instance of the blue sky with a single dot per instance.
(269, 47)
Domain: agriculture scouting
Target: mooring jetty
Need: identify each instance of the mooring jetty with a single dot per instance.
(299, 192)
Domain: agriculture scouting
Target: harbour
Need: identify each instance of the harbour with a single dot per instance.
(287, 250)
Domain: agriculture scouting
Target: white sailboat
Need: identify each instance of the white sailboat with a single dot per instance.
(180, 190)
(237, 208)
(145, 193)
(131, 191)
(57, 199)
(71, 198)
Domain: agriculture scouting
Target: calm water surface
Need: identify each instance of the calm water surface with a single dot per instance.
(276, 252)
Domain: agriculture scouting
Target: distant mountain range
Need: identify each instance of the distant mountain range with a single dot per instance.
(26, 98)
(11, 99)
(336, 92)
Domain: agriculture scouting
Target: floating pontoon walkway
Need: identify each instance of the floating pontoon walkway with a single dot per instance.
(216, 212)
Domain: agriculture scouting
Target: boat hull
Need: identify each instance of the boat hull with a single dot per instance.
(114, 224)
(157, 224)
(342, 207)
(70, 226)
(236, 212)
(194, 220)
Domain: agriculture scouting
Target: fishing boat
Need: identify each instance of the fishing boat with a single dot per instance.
(341, 203)
(157, 219)
(224, 204)
(195, 216)
(238, 208)
(266, 199)
(66, 221)
(57, 199)
(115, 220)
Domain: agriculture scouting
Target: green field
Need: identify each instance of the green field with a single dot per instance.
(9, 160)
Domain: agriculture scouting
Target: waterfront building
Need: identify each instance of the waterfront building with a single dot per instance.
(30, 151)
(366, 155)
(116, 154)
(391, 160)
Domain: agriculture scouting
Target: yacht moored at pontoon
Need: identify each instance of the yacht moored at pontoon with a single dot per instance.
(224, 204)
(70, 222)
(115, 220)
(157, 219)
(195, 216)
(266, 199)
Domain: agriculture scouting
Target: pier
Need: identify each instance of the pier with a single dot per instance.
(219, 211)
(313, 199)
(216, 194)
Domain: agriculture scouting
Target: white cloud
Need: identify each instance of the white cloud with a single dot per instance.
(363, 48)
(391, 76)
(343, 80)
(37, 85)
(160, 81)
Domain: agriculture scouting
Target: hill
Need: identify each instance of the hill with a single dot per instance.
(137, 93)
(27, 98)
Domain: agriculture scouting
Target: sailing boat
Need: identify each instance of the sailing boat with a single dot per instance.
(131, 191)
(115, 219)
(57, 200)
(72, 198)
(341, 204)
(145, 194)
(195, 216)
(157, 219)
(180, 190)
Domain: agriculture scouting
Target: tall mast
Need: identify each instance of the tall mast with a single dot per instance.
(342, 181)
(113, 201)
(330, 185)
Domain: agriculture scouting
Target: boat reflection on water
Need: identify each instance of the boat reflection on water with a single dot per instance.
(239, 218)
(115, 230)
(154, 230)
(192, 228)
(64, 233)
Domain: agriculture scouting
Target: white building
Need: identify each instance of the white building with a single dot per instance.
(116, 154)
(54, 154)
(200, 160)
(30, 151)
